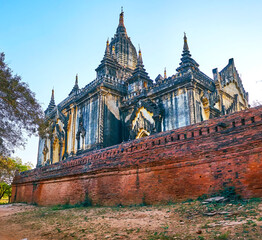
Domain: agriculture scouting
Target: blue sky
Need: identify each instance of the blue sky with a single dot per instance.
(47, 42)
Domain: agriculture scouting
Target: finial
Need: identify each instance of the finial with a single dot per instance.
(121, 18)
(139, 59)
(165, 73)
(53, 93)
(185, 43)
(107, 51)
(76, 83)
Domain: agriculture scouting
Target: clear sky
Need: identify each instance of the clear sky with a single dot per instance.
(47, 42)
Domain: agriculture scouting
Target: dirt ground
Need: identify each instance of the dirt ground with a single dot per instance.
(189, 220)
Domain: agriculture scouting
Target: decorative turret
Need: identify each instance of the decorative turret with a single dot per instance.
(51, 104)
(139, 79)
(186, 60)
(108, 65)
(159, 78)
(165, 74)
(140, 71)
(139, 59)
(75, 88)
(107, 51)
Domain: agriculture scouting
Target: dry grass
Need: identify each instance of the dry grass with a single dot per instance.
(189, 220)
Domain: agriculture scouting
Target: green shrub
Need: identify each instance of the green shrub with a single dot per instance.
(229, 193)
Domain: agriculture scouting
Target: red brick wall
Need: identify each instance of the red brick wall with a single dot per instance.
(169, 166)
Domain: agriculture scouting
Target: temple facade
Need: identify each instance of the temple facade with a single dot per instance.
(123, 103)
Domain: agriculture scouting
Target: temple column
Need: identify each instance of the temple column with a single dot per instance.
(157, 120)
(51, 150)
(60, 150)
(191, 103)
(74, 130)
(78, 141)
(83, 140)
(101, 100)
(65, 150)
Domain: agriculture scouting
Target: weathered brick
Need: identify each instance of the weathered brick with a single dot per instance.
(159, 168)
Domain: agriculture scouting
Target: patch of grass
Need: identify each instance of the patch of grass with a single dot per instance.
(203, 197)
(189, 200)
(179, 221)
(64, 206)
(222, 236)
(161, 236)
(200, 238)
(129, 231)
(165, 227)
(86, 203)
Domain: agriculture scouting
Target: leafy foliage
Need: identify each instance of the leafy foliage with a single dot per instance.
(8, 169)
(19, 110)
(4, 189)
(230, 193)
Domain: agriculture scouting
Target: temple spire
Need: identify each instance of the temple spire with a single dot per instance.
(51, 104)
(140, 73)
(187, 61)
(165, 74)
(107, 51)
(76, 81)
(52, 100)
(185, 48)
(121, 18)
(140, 66)
(121, 26)
(53, 95)
(76, 87)
(139, 59)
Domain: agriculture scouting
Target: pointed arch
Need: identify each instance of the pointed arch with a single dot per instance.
(142, 133)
